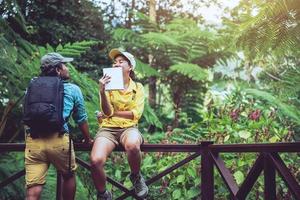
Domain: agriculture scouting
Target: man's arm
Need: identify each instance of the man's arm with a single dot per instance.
(84, 128)
(79, 114)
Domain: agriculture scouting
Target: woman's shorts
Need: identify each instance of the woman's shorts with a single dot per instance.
(119, 135)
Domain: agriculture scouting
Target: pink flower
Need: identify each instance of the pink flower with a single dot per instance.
(234, 115)
(255, 115)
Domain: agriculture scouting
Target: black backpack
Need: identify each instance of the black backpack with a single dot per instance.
(43, 106)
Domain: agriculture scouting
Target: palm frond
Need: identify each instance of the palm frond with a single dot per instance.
(144, 24)
(273, 28)
(123, 34)
(159, 39)
(192, 71)
(145, 70)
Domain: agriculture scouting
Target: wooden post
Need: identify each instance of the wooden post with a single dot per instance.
(207, 173)
(269, 178)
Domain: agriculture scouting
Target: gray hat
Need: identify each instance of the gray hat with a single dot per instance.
(52, 59)
(114, 52)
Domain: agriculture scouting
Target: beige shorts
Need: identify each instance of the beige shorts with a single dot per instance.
(119, 135)
(40, 152)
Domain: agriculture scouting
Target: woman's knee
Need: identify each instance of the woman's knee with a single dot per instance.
(98, 161)
(133, 147)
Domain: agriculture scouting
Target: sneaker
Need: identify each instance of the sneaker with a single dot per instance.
(140, 187)
(106, 196)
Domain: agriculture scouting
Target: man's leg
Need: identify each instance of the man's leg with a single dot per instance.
(36, 167)
(34, 192)
(101, 150)
(69, 186)
(59, 153)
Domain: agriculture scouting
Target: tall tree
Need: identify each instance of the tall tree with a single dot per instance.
(152, 79)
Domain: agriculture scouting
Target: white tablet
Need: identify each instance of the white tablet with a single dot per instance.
(116, 81)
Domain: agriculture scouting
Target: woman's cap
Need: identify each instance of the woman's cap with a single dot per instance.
(114, 52)
(52, 59)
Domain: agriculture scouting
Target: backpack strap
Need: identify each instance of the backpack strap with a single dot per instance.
(70, 153)
(134, 91)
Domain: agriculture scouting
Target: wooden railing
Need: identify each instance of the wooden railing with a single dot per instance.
(268, 160)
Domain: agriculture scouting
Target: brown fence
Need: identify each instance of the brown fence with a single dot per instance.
(268, 160)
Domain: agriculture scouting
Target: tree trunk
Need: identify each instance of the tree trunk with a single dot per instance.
(130, 14)
(152, 79)
(177, 96)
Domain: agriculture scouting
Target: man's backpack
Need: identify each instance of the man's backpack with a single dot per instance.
(43, 106)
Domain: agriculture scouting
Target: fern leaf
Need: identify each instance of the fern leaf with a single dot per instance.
(192, 71)
(145, 70)
(159, 39)
(150, 116)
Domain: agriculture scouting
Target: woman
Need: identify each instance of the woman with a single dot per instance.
(121, 110)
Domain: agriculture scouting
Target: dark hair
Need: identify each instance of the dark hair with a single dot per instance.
(131, 73)
(50, 70)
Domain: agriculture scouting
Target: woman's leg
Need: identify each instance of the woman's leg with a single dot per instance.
(101, 150)
(132, 140)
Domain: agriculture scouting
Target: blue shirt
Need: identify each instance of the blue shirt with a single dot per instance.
(73, 102)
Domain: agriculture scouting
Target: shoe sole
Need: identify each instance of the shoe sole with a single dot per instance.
(144, 195)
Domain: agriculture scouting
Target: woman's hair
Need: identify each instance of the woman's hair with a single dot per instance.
(132, 75)
(50, 70)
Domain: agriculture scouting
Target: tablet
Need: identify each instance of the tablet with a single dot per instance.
(116, 81)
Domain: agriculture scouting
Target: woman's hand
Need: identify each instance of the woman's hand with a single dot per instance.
(100, 116)
(102, 82)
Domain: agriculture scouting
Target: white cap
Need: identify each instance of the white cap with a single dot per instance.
(114, 52)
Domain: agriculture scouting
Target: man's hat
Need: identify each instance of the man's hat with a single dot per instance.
(52, 59)
(114, 52)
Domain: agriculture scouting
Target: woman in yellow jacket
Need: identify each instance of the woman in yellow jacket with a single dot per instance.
(121, 110)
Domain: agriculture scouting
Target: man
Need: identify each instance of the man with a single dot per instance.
(57, 147)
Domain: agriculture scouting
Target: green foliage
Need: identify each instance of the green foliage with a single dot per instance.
(126, 35)
(144, 70)
(159, 40)
(194, 72)
(75, 49)
(144, 23)
(9, 166)
(80, 20)
(150, 116)
(287, 110)
(275, 27)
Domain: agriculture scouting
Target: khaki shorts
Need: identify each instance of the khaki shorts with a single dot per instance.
(118, 135)
(40, 152)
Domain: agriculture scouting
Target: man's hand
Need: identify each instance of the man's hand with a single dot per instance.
(88, 141)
